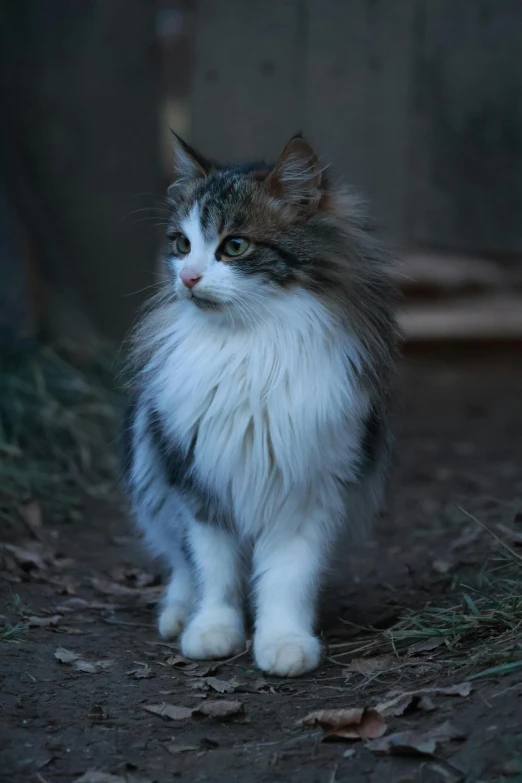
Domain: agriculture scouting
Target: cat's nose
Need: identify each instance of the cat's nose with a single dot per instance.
(189, 277)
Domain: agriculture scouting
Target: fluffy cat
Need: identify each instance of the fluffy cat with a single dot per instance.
(260, 427)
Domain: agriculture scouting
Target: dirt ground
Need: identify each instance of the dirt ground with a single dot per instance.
(87, 587)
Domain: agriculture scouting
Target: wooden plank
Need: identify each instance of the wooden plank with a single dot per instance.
(357, 104)
(467, 170)
(248, 72)
(487, 317)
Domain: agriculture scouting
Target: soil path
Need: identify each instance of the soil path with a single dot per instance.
(459, 443)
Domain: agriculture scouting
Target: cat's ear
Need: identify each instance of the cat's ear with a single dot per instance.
(297, 176)
(188, 163)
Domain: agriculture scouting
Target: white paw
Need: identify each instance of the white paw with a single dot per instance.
(287, 656)
(172, 619)
(205, 642)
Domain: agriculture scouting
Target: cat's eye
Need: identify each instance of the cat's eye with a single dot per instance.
(235, 246)
(181, 244)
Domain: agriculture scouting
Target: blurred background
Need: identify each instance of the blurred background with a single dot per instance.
(417, 102)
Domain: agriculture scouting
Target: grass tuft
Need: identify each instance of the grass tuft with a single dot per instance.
(480, 630)
(58, 424)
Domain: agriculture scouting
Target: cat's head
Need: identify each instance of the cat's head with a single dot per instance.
(241, 237)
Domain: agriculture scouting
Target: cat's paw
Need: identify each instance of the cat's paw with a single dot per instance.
(206, 642)
(172, 619)
(287, 656)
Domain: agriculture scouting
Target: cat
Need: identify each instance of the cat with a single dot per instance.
(259, 430)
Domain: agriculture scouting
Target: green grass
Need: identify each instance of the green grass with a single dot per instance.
(58, 425)
(480, 627)
(9, 633)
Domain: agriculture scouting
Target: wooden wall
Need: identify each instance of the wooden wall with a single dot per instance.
(418, 102)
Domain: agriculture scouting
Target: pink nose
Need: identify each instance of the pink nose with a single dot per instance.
(189, 277)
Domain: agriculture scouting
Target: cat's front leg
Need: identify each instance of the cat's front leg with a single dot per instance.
(288, 562)
(216, 630)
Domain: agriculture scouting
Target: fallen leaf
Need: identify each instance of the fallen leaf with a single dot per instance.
(347, 723)
(142, 673)
(27, 558)
(397, 703)
(92, 667)
(148, 595)
(349, 753)
(65, 656)
(89, 667)
(98, 776)
(175, 749)
(191, 668)
(416, 743)
(170, 711)
(427, 645)
(79, 604)
(220, 709)
(31, 513)
(222, 686)
(43, 622)
(212, 709)
(180, 661)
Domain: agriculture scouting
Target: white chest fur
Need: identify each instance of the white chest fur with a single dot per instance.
(277, 408)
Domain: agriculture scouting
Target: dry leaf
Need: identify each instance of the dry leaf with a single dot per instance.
(204, 744)
(170, 711)
(27, 558)
(220, 709)
(347, 723)
(222, 686)
(175, 749)
(43, 622)
(148, 595)
(142, 673)
(92, 667)
(427, 645)
(212, 709)
(98, 776)
(416, 743)
(397, 703)
(79, 604)
(89, 667)
(65, 656)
